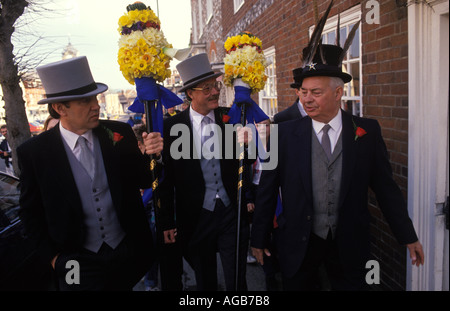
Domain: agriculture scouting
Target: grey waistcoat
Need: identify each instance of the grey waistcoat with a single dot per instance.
(213, 183)
(100, 222)
(326, 183)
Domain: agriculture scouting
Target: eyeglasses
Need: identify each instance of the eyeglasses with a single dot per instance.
(208, 87)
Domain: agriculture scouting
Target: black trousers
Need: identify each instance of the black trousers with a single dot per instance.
(322, 263)
(216, 232)
(107, 270)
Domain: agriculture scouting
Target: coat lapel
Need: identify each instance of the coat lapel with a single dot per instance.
(349, 151)
(302, 148)
(111, 161)
(63, 172)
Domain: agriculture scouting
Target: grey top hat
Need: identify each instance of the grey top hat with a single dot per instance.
(194, 70)
(68, 79)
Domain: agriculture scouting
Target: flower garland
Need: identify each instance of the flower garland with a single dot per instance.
(142, 44)
(245, 60)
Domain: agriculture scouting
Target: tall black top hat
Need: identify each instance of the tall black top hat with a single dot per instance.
(297, 72)
(323, 59)
(325, 65)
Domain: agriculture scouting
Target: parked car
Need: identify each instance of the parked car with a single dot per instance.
(20, 267)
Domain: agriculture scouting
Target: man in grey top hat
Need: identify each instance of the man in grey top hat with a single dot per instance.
(204, 188)
(80, 187)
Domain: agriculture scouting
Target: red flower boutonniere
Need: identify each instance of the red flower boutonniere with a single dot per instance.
(359, 131)
(225, 118)
(117, 137)
(114, 136)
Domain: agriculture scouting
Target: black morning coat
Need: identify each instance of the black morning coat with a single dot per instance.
(365, 165)
(51, 205)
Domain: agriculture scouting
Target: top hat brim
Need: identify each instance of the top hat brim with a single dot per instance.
(100, 88)
(296, 85)
(193, 83)
(344, 76)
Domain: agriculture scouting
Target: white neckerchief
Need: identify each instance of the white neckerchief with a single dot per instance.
(333, 133)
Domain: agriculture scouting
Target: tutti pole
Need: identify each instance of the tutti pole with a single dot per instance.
(239, 194)
(149, 123)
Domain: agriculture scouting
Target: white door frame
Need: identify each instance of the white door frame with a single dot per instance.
(428, 149)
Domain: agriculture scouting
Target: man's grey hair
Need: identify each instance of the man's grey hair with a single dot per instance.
(336, 82)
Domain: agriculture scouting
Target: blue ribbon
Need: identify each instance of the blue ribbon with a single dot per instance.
(254, 114)
(147, 89)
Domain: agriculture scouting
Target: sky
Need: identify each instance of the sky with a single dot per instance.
(91, 27)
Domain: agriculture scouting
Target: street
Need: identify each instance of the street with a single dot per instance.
(255, 278)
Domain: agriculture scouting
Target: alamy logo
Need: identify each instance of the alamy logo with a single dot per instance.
(373, 15)
(73, 275)
(215, 147)
(373, 276)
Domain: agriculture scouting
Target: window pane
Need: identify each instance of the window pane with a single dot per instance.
(354, 48)
(354, 71)
(344, 69)
(343, 36)
(352, 106)
(331, 38)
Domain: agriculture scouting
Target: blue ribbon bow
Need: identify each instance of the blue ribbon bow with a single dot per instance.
(254, 114)
(147, 89)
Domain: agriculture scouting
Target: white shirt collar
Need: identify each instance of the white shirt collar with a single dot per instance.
(196, 118)
(71, 138)
(335, 123)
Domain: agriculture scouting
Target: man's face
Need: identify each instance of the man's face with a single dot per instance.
(202, 103)
(320, 100)
(4, 131)
(80, 115)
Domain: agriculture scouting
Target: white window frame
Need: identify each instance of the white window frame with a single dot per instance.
(209, 10)
(348, 18)
(200, 19)
(268, 97)
(237, 5)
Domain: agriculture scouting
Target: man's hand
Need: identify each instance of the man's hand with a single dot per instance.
(244, 135)
(259, 254)
(416, 253)
(170, 236)
(153, 143)
(54, 261)
(250, 207)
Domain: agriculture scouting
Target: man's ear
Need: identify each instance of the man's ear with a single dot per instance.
(339, 93)
(59, 108)
(189, 93)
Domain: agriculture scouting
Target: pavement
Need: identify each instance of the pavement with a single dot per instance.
(255, 278)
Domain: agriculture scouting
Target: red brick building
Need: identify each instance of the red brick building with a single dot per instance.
(392, 59)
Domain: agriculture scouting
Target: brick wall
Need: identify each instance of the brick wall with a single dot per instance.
(385, 83)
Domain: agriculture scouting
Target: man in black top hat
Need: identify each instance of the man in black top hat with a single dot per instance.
(80, 187)
(296, 110)
(327, 162)
(203, 216)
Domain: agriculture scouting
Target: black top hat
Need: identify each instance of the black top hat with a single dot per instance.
(67, 80)
(323, 59)
(194, 70)
(297, 72)
(326, 63)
